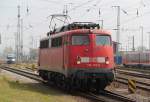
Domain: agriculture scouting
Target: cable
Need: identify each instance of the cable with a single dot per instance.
(92, 7)
(52, 1)
(134, 18)
(83, 4)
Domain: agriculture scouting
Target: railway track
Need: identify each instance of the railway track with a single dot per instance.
(140, 85)
(124, 79)
(23, 73)
(104, 96)
(136, 74)
(138, 70)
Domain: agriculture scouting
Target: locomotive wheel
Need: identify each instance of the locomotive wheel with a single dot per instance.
(63, 86)
(100, 85)
(61, 82)
(68, 85)
(57, 81)
(88, 85)
(43, 75)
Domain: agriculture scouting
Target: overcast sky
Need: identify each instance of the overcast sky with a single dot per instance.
(134, 13)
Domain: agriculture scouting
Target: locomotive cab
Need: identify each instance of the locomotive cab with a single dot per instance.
(91, 58)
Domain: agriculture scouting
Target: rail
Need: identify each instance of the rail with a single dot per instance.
(140, 85)
(106, 96)
(137, 74)
(23, 73)
(137, 69)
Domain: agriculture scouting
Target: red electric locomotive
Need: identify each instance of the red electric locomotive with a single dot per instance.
(77, 55)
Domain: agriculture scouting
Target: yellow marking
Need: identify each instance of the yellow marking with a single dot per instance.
(131, 85)
(131, 89)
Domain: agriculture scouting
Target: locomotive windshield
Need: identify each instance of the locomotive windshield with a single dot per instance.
(103, 40)
(80, 40)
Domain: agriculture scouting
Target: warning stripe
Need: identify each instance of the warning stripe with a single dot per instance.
(132, 84)
(131, 89)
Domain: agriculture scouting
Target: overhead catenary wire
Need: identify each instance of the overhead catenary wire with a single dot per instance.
(91, 8)
(94, 5)
(134, 18)
(53, 2)
(87, 12)
(127, 10)
(80, 5)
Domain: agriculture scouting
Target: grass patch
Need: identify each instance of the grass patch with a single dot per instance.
(15, 91)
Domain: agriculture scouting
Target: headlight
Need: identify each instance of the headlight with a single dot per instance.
(107, 62)
(13, 59)
(78, 60)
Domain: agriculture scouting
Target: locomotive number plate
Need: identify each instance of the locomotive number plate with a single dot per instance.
(101, 59)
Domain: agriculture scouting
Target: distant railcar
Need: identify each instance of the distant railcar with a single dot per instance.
(11, 59)
(137, 59)
(79, 56)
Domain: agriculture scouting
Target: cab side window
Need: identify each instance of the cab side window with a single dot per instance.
(56, 42)
(66, 40)
(44, 43)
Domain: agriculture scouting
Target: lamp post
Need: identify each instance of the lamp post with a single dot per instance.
(141, 27)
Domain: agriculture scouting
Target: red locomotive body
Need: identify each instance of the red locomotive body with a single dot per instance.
(79, 57)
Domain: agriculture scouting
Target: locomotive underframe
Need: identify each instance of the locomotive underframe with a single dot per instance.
(85, 78)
